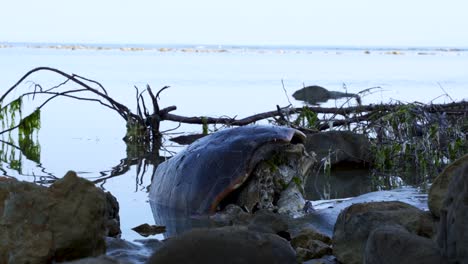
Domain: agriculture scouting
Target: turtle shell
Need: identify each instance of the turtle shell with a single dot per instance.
(197, 179)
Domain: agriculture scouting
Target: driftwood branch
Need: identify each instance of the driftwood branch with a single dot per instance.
(458, 108)
(330, 116)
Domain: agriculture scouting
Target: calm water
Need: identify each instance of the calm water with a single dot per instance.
(86, 137)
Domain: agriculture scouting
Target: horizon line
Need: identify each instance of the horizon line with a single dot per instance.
(233, 46)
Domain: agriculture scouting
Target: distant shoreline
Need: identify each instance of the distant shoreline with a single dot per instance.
(234, 48)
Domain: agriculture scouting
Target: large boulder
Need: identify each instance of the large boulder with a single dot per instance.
(452, 234)
(394, 244)
(68, 220)
(342, 146)
(356, 222)
(439, 187)
(235, 244)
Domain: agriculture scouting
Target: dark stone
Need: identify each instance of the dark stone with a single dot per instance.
(310, 243)
(268, 222)
(343, 147)
(309, 234)
(67, 221)
(452, 236)
(394, 244)
(438, 189)
(329, 259)
(225, 245)
(149, 230)
(113, 218)
(356, 222)
(97, 260)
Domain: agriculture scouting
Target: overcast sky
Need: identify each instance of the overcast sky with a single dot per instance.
(241, 22)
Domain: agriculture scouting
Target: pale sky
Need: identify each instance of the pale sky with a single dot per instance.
(241, 22)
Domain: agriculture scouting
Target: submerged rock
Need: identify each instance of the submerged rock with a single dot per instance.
(68, 220)
(225, 245)
(452, 235)
(356, 222)
(439, 187)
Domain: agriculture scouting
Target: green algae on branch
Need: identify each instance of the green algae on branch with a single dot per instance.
(28, 128)
(416, 143)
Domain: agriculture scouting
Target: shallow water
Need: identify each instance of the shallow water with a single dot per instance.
(85, 137)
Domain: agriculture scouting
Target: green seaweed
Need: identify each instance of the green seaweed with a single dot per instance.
(412, 143)
(204, 125)
(307, 118)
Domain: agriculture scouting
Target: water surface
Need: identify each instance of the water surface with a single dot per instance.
(238, 82)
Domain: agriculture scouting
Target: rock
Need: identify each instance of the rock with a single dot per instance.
(344, 147)
(453, 227)
(67, 221)
(266, 221)
(324, 260)
(439, 187)
(348, 156)
(224, 245)
(98, 260)
(310, 243)
(309, 234)
(356, 222)
(149, 230)
(113, 218)
(394, 244)
(313, 249)
(231, 215)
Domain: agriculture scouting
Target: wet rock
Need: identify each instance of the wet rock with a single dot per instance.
(314, 249)
(329, 259)
(439, 187)
(225, 245)
(268, 222)
(149, 230)
(342, 146)
(309, 234)
(356, 222)
(113, 218)
(97, 260)
(310, 243)
(69, 220)
(394, 244)
(452, 235)
(231, 215)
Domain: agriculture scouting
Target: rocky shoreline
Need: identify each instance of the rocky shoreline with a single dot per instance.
(72, 220)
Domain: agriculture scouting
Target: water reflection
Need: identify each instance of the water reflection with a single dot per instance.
(340, 183)
(175, 221)
(144, 162)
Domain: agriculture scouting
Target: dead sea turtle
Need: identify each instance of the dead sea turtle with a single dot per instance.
(255, 167)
